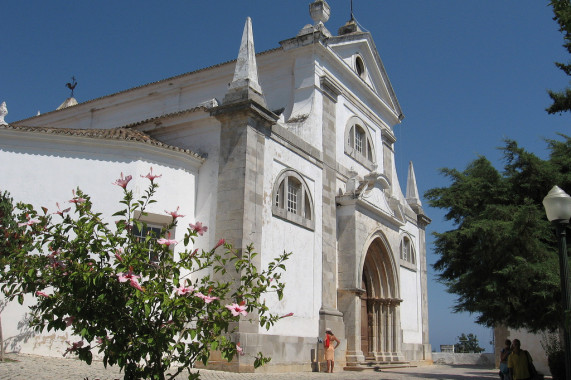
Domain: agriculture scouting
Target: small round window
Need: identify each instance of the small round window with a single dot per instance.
(360, 67)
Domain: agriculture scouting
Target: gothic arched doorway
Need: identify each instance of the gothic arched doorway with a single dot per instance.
(380, 314)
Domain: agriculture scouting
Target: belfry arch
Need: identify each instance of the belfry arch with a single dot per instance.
(380, 304)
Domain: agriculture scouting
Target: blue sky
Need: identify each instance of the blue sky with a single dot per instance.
(467, 73)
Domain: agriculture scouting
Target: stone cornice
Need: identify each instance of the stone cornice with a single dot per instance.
(388, 137)
(359, 204)
(423, 220)
(357, 291)
(283, 136)
(247, 105)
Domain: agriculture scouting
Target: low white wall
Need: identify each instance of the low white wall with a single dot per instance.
(484, 360)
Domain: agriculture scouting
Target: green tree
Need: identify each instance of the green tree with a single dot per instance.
(145, 308)
(500, 258)
(468, 344)
(562, 14)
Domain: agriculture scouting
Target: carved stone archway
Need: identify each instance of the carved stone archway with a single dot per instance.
(380, 301)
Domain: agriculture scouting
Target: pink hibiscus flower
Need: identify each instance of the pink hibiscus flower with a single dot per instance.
(42, 294)
(129, 276)
(135, 284)
(206, 299)
(220, 242)
(184, 290)
(101, 340)
(132, 278)
(54, 253)
(151, 176)
(29, 222)
(198, 228)
(175, 213)
(167, 241)
(60, 212)
(286, 315)
(57, 263)
(239, 349)
(77, 199)
(74, 347)
(69, 321)
(237, 309)
(118, 253)
(123, 181)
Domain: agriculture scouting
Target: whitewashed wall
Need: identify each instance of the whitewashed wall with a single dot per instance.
(302, 294)
(43, 170)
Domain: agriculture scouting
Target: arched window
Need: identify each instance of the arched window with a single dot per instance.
(407, 253)
(292, 200)
(358, 142)
(360, 67)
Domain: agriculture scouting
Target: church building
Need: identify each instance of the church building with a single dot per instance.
(289, 149)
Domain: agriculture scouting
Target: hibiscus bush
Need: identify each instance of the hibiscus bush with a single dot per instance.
(132, 300)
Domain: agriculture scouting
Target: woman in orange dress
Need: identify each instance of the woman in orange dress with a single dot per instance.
(329, 349)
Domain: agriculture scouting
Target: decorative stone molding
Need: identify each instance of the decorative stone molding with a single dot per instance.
(357, 291)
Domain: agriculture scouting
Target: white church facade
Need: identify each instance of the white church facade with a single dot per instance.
(296, 154)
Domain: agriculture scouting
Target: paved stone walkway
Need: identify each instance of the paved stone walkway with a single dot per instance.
(29, 367)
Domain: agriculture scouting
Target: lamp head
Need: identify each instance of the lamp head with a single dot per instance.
(557, 205)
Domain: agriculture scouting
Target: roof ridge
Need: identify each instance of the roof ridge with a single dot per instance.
(156, 82)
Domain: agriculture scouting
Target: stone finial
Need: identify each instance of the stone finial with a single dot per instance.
(319, 11)
(412, 196)
(246, 72)
(3, 113)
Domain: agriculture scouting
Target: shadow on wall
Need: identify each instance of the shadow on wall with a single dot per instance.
(13, 343)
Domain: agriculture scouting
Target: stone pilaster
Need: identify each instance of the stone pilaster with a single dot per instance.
(388, 139)
(243, 131)
(423, 221)
(245, 124)
(329, 315)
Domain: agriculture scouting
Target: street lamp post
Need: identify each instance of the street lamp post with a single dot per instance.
(557, 205)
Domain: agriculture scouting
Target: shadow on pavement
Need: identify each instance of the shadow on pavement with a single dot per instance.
(443, 372)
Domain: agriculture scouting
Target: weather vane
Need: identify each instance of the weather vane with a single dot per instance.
(71, 85)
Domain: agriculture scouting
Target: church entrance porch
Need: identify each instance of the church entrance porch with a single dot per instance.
(372, 310)
(380, 318)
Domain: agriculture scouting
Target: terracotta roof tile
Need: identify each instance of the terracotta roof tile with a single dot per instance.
(126, 134)
(167, 116)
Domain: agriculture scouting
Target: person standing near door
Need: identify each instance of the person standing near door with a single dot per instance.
(330, 338)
